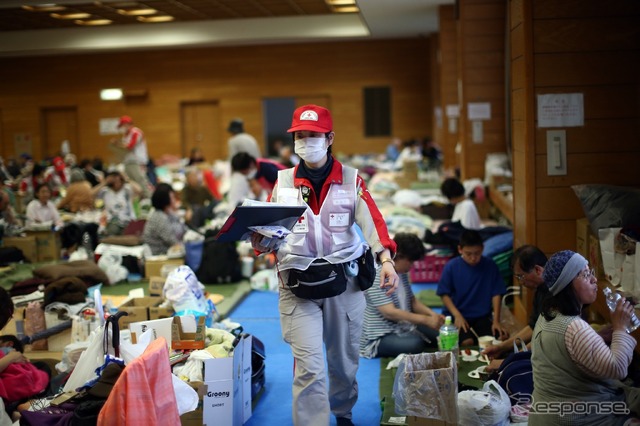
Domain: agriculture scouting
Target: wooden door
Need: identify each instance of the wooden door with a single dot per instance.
(59, 124)
(201, 129)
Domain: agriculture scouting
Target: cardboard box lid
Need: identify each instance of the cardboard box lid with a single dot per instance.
(141, 302)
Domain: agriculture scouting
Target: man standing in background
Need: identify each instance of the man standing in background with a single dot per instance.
(135, 160)
(241, 141)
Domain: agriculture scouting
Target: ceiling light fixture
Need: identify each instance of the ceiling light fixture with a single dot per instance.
(341, 2)
(70, 15)
(346, 9)
(155, 19)
(93, 22)
(137, 12)
(111, 94)
(49, 7)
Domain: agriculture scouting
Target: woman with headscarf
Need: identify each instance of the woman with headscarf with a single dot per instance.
(576, 374)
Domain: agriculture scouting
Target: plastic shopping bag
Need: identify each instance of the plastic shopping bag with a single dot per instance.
(490, 406)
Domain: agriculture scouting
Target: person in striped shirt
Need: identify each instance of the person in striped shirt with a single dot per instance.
(574, 369)
(399, 322)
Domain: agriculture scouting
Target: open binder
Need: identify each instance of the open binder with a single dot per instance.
(237, 225)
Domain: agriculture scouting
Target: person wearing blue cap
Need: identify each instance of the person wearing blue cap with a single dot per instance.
(576, 375)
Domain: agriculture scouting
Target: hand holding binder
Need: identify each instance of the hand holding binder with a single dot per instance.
(236, 227)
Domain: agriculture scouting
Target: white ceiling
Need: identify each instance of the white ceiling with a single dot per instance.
(378, 19)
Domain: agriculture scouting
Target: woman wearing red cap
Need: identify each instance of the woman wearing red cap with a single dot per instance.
(321, 298)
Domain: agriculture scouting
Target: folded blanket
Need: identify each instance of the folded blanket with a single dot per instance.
(86, 270)
(66, 290)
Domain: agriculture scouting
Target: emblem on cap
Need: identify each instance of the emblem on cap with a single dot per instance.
(309, 115)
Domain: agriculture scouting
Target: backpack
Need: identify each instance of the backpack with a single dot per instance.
(515, 375)
(220, 261)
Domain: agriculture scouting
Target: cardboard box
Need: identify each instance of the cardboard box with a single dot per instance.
(223, 403)
(247, 373)
(48, 244)
(157, 312)
(137, 310)
(595, 257)
(153, 267)
(181, 340)
(429, 384)
(27, 245)
(420, 421)
(156, 284)
(583, 230)
(194, 418)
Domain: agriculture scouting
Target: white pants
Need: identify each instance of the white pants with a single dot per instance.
(306, 324)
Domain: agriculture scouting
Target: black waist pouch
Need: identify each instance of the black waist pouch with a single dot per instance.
(366, 270)
(319, 281)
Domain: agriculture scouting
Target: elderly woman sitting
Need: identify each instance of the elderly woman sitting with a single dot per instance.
(163, 228)
(575, 373)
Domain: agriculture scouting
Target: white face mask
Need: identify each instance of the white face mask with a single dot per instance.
(311, 150)
(252, 174)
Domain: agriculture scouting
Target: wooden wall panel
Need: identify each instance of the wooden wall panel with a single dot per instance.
(554, 9)
(549, 200)
(481, 33)
(571, 35)
(616, 134)
(448, 72)
(586, 68)
(592, 168)
(554, 235)
(239, 78)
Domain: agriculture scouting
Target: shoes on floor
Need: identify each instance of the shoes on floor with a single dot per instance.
(344, 421)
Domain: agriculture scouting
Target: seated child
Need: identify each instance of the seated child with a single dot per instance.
(20, 380)
(399, 322)
(471, 287)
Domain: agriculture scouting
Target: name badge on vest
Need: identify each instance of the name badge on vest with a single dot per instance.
(302, 225)
(338, 219)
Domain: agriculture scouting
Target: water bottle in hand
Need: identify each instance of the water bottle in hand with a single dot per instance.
(611, 297)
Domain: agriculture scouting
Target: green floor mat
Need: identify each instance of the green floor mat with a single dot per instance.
(430, 298)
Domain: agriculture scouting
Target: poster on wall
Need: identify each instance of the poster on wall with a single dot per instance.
(452, 111)
(561, 110)
(479, 111)
(437, 111)
(109, 126)
(23, 143)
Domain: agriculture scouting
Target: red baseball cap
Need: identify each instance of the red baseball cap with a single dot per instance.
(125, 119)
(313, 118)
(58, 164)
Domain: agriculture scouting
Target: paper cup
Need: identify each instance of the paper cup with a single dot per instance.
(484, 341)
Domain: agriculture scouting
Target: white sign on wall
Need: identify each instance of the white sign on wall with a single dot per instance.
(561, 110)
(479, 111)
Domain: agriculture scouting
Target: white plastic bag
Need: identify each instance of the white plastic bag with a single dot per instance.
(490, 406)
(184, 291)
(91, 358)
(111, 264)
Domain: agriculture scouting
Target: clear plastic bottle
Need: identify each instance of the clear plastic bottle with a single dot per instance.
(448, 338)
(611, 297)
